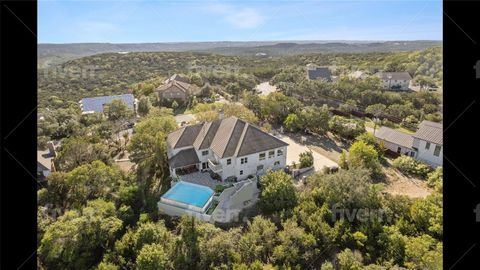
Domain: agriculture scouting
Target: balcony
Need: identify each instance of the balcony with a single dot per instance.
(215, 166)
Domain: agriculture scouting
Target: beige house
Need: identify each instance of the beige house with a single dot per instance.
(177, 87)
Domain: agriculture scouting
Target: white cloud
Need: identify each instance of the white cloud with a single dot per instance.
(240, 17)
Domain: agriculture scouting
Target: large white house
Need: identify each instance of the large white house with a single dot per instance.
(395, 80)
(230, 148)
(428, 143)
(425, 145)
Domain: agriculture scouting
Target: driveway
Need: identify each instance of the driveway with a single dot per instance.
(294, 150)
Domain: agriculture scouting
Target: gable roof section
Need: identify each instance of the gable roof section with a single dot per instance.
(95, 104)
(184, 158)
(178, 84)
(256, 140)
(186, 136)
(430, 132)
(394, 136)
(395, 75)
(227, 137)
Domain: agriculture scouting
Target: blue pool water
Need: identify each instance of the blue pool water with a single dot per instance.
(189, 193)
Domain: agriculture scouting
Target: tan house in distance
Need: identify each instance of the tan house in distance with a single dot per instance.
(177, 87)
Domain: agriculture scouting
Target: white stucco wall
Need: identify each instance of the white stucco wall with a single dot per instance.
(253, 160)
(427, 154)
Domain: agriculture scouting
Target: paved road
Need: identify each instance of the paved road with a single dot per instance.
(294, 150)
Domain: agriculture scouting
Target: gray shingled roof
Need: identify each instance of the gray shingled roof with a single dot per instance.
(395, 136)
(395, 75)
(187, 88)
(95, 104)
(319, 72)
(184, 158)
(430, 132)
(228, 137)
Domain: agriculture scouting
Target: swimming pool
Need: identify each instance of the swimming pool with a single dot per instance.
(187, 195)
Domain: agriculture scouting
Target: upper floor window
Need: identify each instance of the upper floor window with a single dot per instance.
(261, 156)
(229, 161)
(243, 160)
(279, 152)
(427, 146)
(205, 152)
(271, 154)
(241, 172)
(276, 163)
(259, 167)
(436, 152)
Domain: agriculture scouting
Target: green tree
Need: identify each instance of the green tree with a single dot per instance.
(76, 240)
(152, 257)
(148, 149)
(293, 122)
(277, 191)
(350, 260)
(117, 110)
(144, 106)
(76, 151)
(296, 247)
(427, 215)
(187, 253)
(258, 241)
(306, 159)
(361, 154)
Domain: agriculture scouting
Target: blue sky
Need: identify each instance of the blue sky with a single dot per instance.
(131, 21)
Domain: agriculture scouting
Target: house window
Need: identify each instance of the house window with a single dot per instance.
(427, 146)
(436, 152)
(412, 154)
(271, 154)
(276, 163)
(229, 161)
(399, 149)
(204, 153)
(279, 152)
(261, 156)
(243, 160)
(259, 167)
(241, 172)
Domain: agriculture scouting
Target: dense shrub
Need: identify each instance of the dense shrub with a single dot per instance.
(411, 166)
(306, 159)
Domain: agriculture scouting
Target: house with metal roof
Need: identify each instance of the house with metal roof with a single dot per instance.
(395, 80)
(425, 145)
(396, 141)
(314, 72)
(428, 143)
(229, 148)
(97, 104)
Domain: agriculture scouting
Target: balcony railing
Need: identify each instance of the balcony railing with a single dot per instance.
(214, 166)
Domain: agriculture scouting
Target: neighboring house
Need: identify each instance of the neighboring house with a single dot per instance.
(230, 148)
(428, 143)
(45, 163)
(314, 72)
(396, 141)
(395, 80)
(177, 87)
(425, 145)
(97, 104)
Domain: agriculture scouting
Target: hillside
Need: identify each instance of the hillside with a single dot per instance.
(52, 54)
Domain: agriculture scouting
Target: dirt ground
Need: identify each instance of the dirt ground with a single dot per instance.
(399, 184)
